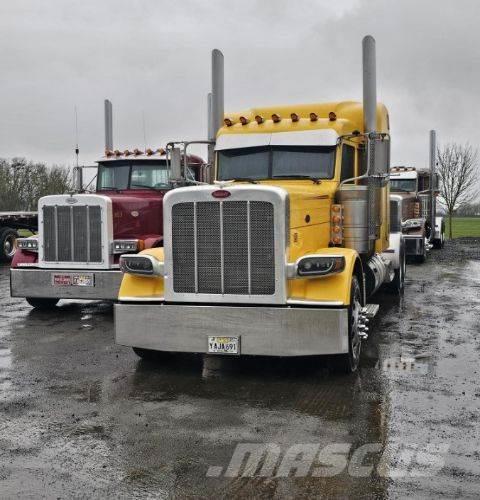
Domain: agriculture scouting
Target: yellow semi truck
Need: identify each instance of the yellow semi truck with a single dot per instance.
(278, 256)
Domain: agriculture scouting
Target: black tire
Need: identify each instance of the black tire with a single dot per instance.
(42, 304)
(151, 355)
(397, 286)
(8, 246)
(420, 259)
(348, 363)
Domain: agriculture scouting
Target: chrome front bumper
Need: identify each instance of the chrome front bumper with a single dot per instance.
(38, 283)
(266, 331)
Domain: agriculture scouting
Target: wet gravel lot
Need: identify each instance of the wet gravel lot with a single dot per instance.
(82, 417)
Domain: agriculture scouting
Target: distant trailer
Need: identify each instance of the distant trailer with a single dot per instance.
(10, 223)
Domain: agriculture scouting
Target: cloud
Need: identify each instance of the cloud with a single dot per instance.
(154, 57)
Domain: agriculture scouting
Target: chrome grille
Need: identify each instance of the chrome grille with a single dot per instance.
(225, 247)
(72, 233)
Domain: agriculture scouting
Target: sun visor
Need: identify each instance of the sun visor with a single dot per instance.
(326, 137)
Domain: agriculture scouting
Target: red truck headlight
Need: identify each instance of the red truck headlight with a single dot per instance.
(28, 244)
(142, 265)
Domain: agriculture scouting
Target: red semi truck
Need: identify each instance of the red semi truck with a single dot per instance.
(76, 253)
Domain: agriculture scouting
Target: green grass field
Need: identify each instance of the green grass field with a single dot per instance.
(464, 226)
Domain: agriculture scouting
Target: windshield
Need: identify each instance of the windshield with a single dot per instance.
(133, 175)
(406, 185)
(276, 162)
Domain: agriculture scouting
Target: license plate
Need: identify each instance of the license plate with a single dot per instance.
(73, 279)
(224, 345)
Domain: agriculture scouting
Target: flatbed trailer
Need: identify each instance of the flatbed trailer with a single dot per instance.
(10, 223)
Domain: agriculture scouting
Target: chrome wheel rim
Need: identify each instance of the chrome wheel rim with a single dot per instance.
(9, 246)
(356, 341)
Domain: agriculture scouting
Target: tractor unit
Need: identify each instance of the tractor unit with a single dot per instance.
(81, 235)
(413, 198)
(280, 255)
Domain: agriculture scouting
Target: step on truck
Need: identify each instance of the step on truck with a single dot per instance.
(413, 196)
(10, 223)
(76, 253)
(280, 255)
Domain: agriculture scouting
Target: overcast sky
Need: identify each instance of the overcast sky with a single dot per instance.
(153, 57)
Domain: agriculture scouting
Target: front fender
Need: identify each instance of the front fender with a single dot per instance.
(143, 288)
(335, 288)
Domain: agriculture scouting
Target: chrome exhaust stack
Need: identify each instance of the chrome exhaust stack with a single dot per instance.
(369, 84)
(108, 125)
(433, 150)
(215, 106)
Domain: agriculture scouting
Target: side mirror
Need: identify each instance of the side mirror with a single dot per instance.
(175, 164)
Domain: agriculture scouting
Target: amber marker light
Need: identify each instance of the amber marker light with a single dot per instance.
(276, 118)
(149, 152)
(335, 208)
(117, 153)
(259, 119)
(228, 122)
(294, 117)
(337, 240)
(160, 151)
(243, 120)
(127, 153)
(313, 117)
(332, 116)
(108, 153)
(336, 219)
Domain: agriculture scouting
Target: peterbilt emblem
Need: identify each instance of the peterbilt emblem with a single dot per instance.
(134, 213)
(221, 193)
(71, 200)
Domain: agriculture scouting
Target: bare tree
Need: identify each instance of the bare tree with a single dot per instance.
(23, 182)
(458, 172)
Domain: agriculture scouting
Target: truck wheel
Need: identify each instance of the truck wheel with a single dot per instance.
(151, 355)
(42, 304)
(349, 362)
(8, 246)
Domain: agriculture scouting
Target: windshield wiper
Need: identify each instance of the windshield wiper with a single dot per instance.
(245, 179)
(143, 186)
(316, 180)
(108, 188)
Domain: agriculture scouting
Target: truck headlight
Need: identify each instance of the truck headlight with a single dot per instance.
(320, 265)
(29, 244)
(123, 246)
(142, 265)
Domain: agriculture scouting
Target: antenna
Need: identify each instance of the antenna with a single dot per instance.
(144, 131)
(77, 150)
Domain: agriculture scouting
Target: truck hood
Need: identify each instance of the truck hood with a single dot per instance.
(137, 215)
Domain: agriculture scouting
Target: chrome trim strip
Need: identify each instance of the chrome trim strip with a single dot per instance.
(249, 246)
(195, 244)
(222, 252)
(88, 233)
(142, 299)
(302, 302)
(56, 232)
(72, 241)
